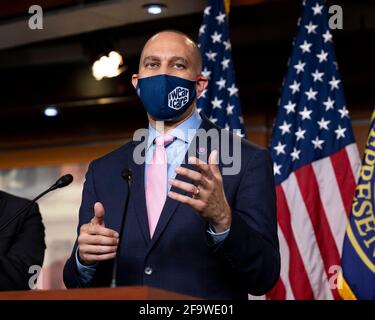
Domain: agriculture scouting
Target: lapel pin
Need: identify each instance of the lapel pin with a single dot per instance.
(201, 150)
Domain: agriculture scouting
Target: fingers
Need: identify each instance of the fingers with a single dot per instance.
(184, 185)
(195, 176)
(213, 162)
(97, 243)
(203, 166)
(97, 240)
(98, 214)
(94, 229)
(93, 258)
(210, 169)
(97, 250)
(195, 203)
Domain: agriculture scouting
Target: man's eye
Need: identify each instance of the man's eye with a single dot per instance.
(179, 66)
(151, 65)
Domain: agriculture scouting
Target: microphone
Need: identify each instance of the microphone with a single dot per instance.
(60, 183)
(127, 175)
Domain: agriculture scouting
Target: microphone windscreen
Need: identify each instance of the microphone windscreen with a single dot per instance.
(64, 181)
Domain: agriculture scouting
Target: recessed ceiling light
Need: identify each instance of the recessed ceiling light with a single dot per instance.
(155, 8)
(51, 111)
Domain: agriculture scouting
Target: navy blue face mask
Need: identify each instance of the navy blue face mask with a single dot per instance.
(166, 97)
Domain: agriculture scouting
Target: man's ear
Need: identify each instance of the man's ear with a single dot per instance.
(135, 79)
(202, 84)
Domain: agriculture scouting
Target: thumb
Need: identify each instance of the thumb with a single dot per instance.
(214, 163)
(99, 214)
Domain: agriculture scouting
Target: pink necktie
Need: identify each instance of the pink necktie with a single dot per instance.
(156, 181)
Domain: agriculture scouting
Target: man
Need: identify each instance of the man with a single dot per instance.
(21, 243)
(188, 227)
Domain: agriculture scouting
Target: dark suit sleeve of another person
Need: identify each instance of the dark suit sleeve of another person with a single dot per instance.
(22, 245)
(252, 247)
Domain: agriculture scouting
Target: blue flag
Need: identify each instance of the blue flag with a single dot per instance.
(358, 260)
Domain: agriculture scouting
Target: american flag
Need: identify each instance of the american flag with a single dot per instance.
(220, 101)
(316, 163)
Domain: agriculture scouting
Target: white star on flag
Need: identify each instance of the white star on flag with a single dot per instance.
(300, 67)
(300, 134)
(322, 56)
(202, 29)
(340, 132)
(276, 168)
(290, 107)
(227, 45)
(211, 55)
(232, 90)
(212, 119)
(334, 83)
(305, 46)
(317, 143)
(317, 9)
(317, 75)
(216, 37)
(295, 154)
(230, 109)
(305, 113)
(323, 124)
(206, 73)
(221, 83)
(225, 63)
(295, 86)
(285, 128)
(311, 28)
(221, 17)
(280, 148)
(311, 94)
(327, 36)
(344, 112)
(329, 103)
(216, 103)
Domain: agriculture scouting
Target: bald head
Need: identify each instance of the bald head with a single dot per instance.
(174, 46)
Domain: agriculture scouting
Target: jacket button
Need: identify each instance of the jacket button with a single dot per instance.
(148, 271)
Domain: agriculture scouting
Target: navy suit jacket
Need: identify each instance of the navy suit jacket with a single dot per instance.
(22, 242)
(181, 256)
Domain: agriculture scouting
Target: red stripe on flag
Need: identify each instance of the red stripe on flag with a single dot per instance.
(298, 278)
(278, 292)
(345, 178)
(309, 188)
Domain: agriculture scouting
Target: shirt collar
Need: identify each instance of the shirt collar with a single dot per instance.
(185, 131)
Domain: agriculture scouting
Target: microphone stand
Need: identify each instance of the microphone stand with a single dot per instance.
(127, 175)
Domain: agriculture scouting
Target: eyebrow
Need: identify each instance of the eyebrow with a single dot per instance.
(172, 59)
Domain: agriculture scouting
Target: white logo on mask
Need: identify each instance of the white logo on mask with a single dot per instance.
(178, 97)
